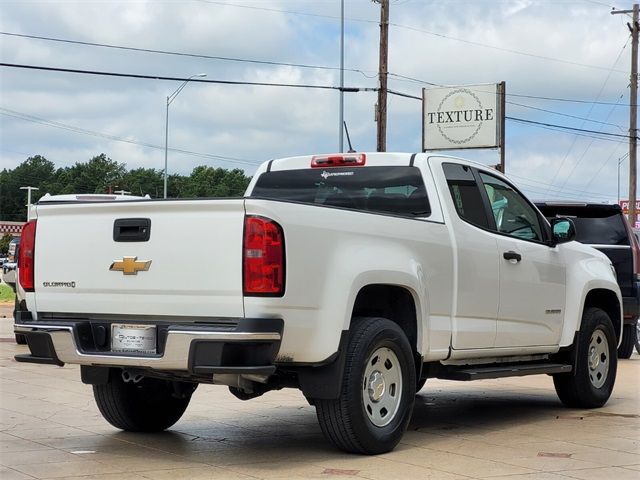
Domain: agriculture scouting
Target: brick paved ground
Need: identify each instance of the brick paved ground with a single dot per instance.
(503, 429)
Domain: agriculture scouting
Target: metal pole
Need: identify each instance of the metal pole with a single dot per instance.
(341, 122)
(619, 162)
(633, 112)
(29, 189)
(166, 147)
(383, 68)
(633, 121)
(502, 88)
(170, 99)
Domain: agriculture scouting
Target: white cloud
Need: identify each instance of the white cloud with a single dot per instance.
(257, 123)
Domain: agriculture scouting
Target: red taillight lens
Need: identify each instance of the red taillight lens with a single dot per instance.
(263, 257)
(339, 160)
(26, 257)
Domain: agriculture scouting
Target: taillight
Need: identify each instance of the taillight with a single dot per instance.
(26, 256)
(263, 257)
(339, 160)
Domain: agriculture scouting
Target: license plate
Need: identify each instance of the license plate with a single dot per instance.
(133, 338)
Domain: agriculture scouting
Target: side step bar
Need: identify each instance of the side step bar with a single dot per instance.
(480, 372)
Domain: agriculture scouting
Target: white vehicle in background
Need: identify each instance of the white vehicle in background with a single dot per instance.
(10, 264)
(353, 277)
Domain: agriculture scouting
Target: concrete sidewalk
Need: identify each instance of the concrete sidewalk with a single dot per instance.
(500, 429)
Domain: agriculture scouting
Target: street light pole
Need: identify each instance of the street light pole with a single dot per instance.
(619, 163)
(170, 99)
(29, 189)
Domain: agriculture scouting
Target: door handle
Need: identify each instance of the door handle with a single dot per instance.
(511, 255)
(132, 230)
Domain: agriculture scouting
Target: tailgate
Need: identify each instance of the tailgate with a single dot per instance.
(194, 246)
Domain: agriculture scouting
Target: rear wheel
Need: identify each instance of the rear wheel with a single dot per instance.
(590, 385)
(629, 339)
(150, 405)
(21, 338)
(378, 389)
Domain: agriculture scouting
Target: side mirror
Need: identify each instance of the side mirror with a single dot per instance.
(563, 230)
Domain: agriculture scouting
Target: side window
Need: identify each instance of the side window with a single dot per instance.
(512, 213)
(465, 194)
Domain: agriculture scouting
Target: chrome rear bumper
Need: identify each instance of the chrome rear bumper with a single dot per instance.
(198, 349)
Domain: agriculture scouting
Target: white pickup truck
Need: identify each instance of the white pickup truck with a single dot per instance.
(353, 277)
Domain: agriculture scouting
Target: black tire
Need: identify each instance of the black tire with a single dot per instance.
(151, 405)
(420, 384)
(629, 340)
(21, 339)
(577, 389)
(344, 420)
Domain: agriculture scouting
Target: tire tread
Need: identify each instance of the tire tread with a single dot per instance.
(334, 415)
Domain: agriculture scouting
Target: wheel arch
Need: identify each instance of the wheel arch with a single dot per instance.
(608, 301)
(397, 303)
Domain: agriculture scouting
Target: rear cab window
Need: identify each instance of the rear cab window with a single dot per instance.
(395, 190)
(465, 194)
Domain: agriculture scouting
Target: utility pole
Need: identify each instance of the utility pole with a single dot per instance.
(341, 120)
(383, 70)
(502, 91)
(633, 112)
(29, 189)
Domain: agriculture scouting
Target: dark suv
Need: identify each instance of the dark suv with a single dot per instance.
(604, 227)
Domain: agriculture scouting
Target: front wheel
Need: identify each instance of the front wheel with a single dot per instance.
(591, 384)
(378, 389)
(150, 405)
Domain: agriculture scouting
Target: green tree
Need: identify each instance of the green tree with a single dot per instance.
(94, 176)
(4, 243)
(216, 182)
(35, 171)
(143, 181)
(101, 173)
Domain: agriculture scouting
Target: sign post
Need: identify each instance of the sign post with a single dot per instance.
(461, 117)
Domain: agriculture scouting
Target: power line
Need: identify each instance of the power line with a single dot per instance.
(178, 79)
(235, 82)
(415, 29)
(566, 156)
(180, 54)
(566, 127)
(502, 49)
(277, 63)
(597, 172)
(43, 121)
(569, 190)
(565, 114)
(524, 120)
(520, 95)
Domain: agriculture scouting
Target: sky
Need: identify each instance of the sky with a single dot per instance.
(556, 49)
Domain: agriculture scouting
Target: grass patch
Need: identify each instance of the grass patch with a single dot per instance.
(6, 293)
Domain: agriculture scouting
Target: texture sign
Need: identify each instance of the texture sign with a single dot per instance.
(461, 117)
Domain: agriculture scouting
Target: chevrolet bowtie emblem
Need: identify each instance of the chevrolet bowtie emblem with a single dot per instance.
(130, 265)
